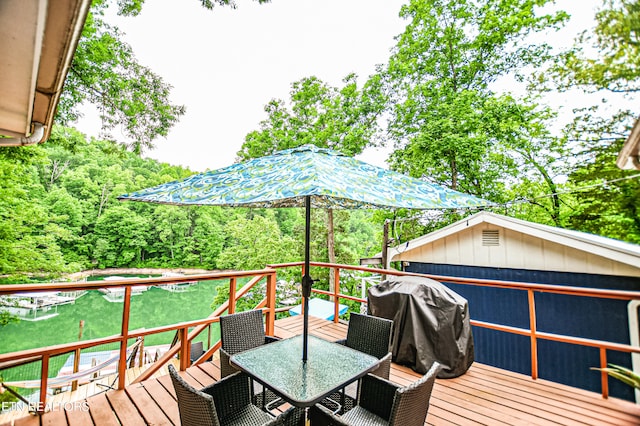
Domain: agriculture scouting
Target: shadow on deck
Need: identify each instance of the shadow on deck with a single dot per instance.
(483, 396)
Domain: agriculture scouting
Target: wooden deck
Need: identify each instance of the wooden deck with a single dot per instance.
(483, 396)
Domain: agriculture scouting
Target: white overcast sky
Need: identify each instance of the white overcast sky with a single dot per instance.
(226, 64)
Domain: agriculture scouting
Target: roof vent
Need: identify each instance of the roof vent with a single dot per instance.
(490, 237)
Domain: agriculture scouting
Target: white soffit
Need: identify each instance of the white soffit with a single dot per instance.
(22, 25)
(38, 39)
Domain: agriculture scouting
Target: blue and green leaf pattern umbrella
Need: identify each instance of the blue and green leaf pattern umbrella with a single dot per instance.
(306, 176)
(284, 179)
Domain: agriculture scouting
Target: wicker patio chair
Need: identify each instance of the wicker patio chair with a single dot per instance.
(371, 335)
(197, 350)
(382, 403)
(226, 403)
(240, 332)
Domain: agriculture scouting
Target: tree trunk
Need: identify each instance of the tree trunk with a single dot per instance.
(104, 197)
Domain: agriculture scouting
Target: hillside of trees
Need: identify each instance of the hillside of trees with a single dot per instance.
(60, 214)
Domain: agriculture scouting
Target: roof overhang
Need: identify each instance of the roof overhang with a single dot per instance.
(38, 39)
(629, 157)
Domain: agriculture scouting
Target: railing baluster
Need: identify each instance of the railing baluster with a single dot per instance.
(271, 303)
(604, 377)
(76, 367)
(534, 337)
(336, 294)
(232, 295)
(184, 348)
(126, 313)
(44, 379)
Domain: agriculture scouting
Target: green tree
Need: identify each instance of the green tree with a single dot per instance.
(133, 7)
(121, 236)
(447, 123)
(256, 242)
(612, 209)
(344, 119)
(106, 74)
(206, 236)
(27, 243)
(604, 60)
(607, 57)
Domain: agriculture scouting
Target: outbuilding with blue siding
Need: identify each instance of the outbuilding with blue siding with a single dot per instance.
(491, 246)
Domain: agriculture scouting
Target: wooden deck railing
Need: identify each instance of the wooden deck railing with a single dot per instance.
(44, 354)
(268, 305)
(532, 332)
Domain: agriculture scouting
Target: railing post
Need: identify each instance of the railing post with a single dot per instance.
(76, 368)
(44, 379)
(604, 377)
(232, 295)
(184, 348)
(141, 353)
(534, 338)
(122, 362)
(271, 303)
(336, 292)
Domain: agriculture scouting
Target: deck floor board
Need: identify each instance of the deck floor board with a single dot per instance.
(165, 400)
(124, 408)
(485, 395)
(78, 417)
(147, 405)
(101, 411)
(28, 420)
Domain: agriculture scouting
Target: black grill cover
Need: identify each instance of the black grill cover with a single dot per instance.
(430, 323)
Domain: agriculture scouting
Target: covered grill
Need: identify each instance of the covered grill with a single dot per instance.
(431, 323)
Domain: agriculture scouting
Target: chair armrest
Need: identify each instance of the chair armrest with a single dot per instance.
(321, 416)
(294, 416)
(270, 339)
(376, 395)
(225, 368)
(384, 368)
(342, 342)
(230, 393)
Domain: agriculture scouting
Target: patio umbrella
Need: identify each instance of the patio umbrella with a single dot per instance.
(308, 177)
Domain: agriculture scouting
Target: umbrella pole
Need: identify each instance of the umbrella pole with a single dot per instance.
(306, 279)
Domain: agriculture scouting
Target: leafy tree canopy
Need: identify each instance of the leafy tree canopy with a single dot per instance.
(446, 122)
(608, 57)
(344, 119)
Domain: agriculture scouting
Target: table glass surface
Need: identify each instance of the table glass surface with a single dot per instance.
(329, 366)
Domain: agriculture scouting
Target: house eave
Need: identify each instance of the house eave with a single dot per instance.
(629, 157)
(38, 39)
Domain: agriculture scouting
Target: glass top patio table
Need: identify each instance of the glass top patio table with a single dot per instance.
(279, 366)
